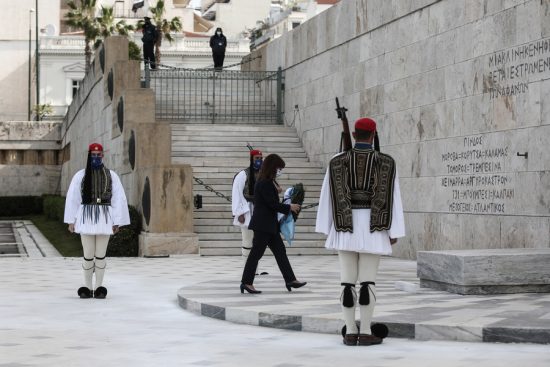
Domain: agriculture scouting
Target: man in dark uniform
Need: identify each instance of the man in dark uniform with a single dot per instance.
(150, 36)
(218, 43)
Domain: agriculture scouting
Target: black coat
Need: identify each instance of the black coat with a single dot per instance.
(218, 44)
(266, 206)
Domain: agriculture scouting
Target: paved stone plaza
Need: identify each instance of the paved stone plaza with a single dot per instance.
(44, 323)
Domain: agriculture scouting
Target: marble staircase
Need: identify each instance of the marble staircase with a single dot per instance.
(217, 152)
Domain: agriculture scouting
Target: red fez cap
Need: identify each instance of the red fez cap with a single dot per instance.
(95, 147)
(254, 152)
(365, 124)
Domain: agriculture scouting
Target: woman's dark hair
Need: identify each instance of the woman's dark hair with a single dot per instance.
(269, 167)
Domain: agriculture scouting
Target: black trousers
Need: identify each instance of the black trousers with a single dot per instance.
(218, 59)
(259, 243)
(149, 54)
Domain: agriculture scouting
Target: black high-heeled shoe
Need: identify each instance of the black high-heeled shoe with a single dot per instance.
(294, 284)
(248, 289)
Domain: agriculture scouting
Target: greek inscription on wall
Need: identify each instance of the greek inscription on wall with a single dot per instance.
(475, 181)
(510, 71)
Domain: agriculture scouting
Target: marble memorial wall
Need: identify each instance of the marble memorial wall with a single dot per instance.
(461, 93)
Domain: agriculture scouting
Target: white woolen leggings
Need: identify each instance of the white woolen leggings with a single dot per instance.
(358, 267)
(95, 248)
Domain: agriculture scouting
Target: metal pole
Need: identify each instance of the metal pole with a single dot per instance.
(279, 95)
(30, 66)
(37, 57)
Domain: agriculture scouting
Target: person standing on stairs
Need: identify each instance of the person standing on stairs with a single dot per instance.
(95, 207)
(361, 213)
(242, 199)
(265, 225)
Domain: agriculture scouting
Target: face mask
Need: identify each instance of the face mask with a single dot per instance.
(96, 162)
(257, 165)
(279, 172)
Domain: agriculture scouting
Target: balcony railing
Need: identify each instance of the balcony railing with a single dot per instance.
(180, 44)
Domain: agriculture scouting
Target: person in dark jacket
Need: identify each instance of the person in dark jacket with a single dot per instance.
(150, 37)
(218, 43)
(265, 225)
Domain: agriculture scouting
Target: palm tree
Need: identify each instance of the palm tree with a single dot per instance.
(107, 25)
(164, 26)
(83, 17)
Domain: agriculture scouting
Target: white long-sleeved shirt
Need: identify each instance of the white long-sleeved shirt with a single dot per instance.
(239, 205)
(117, 215)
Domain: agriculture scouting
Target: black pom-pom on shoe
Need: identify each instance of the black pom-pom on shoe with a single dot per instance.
(100, 292)
(84, 292)
(379, 330)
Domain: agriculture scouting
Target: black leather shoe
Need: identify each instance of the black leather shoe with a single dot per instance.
(367, 339)
(84, 292)
(350, 339)
(294, 284)
(248, 289)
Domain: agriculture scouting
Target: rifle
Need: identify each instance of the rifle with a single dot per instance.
(345, 140)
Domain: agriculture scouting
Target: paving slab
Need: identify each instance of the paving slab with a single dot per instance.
(44, 323)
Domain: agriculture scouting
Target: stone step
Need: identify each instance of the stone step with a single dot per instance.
(235, 154)
(236, 236)
(311, 193)
(237, 140)
(205, 217)
(207, 171)
(225, 226)
(237, 145)
(232, 127)
(237, 244)
(236, 163)
(227, 179)
(212, 199)
(228, 219)
(291, 251)
(229, 150)
(225, 206)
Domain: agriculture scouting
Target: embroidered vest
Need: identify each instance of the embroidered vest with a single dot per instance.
(362, 179)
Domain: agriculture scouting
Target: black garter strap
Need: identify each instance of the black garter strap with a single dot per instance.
(364, 294)
(348, 295)
(100, 258)
(92, 259)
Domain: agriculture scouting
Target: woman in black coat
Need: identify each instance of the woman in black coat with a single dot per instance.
(265, 225)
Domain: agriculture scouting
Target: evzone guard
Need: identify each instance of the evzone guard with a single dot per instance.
(361, 213)
(95, 207)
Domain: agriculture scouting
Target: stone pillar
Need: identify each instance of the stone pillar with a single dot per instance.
(163, 193)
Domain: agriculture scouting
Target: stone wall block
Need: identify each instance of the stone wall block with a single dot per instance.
(528, 26)
(171, 201)
(545, 18)
(525, 232)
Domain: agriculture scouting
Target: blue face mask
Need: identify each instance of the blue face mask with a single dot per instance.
(257, 165)
(96, 162)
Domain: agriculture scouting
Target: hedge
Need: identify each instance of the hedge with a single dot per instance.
(15, 206)
(124, 243)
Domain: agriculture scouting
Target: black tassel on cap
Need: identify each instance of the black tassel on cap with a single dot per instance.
(376, 142)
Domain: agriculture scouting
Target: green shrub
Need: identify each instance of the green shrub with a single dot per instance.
(14, 206)
(126, 241)
(54, 207)
(134, 52)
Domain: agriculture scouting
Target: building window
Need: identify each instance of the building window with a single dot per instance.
(76, 84)
(295, 24)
